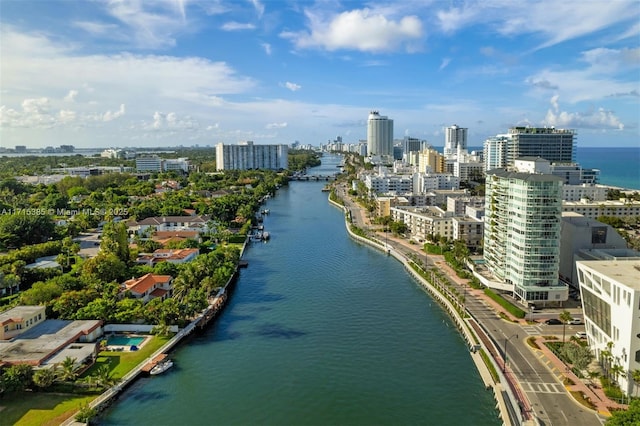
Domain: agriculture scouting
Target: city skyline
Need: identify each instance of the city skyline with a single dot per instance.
(203, 72)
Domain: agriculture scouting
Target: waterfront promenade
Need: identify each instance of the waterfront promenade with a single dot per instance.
(536, 376)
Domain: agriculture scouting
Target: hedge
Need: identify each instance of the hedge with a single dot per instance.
(513, 309)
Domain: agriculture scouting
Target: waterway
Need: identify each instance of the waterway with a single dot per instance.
(320, 330)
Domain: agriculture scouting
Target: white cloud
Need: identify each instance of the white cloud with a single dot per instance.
(109, 116)
(95, 28)
(267, 48)
(570, 18)
(258, 6)
(71, 96)
(237, 26)
(37, 113)
(276, 126)
(359, 29)
(444, 63)
(594, 119)
(292, 86)
(171, 121)
(150, 24)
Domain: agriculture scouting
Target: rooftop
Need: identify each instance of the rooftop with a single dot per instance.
(18, 313)
(625, 272)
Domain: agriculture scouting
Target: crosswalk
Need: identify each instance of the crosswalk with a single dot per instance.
(543, 387)
(532, 330)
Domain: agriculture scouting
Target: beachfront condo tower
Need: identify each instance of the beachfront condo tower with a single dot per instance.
(454, 138)
(379, 135)
(522, 234)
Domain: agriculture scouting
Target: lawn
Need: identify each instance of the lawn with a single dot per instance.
(39, 408)
(48, 408)
(121, 363)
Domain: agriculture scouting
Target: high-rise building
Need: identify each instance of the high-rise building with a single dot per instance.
(454, 137)
(523, 214)
(379, 135)
(495, 152)
(555, 145)
(246, 155)
(430, 161)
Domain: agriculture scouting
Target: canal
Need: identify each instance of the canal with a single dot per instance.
(320, 330)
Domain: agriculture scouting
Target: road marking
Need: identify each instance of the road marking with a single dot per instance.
(543, 387)
(532, 330)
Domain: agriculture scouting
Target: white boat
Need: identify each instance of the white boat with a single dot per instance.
(161, 367)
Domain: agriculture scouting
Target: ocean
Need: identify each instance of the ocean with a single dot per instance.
(618, 166)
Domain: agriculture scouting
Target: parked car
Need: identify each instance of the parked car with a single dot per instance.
(553, 321)
(581, 334)
(575, 321)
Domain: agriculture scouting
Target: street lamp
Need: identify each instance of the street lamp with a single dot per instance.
(504, 366)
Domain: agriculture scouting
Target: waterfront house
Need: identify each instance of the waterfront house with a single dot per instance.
(20, 319)
(149, 286)
(168, 255)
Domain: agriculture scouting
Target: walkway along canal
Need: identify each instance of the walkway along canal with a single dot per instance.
(319, 330)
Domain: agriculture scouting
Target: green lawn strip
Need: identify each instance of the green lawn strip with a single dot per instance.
(121, 363)
(39, 408)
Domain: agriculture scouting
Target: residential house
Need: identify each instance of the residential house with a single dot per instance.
(149, 286)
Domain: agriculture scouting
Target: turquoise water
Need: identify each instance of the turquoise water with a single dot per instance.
(319, 331)
(618, 166)
(125, 341)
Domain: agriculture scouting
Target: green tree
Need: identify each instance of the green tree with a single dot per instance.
(18, 229)
(67, 370)
(85, 413)
(635, 375)
(105, 267)
(18, 377)
(628, 417)
(44, 377)
(41, 293)
(115, 240)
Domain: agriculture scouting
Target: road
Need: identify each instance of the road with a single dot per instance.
(550, 402)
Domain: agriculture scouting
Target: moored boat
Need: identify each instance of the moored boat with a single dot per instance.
(161, 367)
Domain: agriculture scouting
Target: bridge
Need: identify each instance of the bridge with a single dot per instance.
(313, 178)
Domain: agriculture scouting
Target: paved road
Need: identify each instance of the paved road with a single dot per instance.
(550, 402)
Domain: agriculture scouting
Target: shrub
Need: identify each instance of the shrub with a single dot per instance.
(513, 309)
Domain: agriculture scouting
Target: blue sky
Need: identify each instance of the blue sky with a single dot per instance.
(167, 73)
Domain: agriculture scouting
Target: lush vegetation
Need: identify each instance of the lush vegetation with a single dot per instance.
(510, 307)
(630, 417)
(300, 159)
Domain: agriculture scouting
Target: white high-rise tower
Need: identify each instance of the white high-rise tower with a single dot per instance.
(454, 138)
(379, 135)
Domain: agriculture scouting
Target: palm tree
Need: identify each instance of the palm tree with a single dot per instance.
(44, 377)
(635, 375)
(617, 370)
(104, 378)
(565, 317)
(68, 370)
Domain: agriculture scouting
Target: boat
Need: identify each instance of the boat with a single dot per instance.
(265, 211)
(161, 367)
(265, 235)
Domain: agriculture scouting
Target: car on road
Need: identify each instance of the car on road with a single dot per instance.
(553, 321)
(581, 334)
(575, 321)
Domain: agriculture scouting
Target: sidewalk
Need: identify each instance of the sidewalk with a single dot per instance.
(595, 394)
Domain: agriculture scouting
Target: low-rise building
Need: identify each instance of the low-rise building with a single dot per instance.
(171, 223)
(168, 255)
(149, 286)
(17, 320)
(595, 209)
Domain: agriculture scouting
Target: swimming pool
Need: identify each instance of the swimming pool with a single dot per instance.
(125, 340)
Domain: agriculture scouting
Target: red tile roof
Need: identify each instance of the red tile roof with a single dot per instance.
(145, 282)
